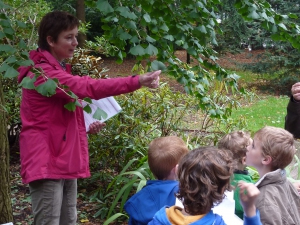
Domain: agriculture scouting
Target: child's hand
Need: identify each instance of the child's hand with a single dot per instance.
(248, 195)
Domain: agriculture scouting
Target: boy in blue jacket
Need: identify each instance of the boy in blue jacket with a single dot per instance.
(163, 156)
(204, 175)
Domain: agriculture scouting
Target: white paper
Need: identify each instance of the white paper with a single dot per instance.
(109, 105)
(226, 209)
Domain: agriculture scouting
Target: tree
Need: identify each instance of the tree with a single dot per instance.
(80, 13)
(6, 215)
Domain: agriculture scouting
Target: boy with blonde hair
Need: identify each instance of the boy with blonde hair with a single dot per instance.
(237, 143)
(163, 156)
(271, 151)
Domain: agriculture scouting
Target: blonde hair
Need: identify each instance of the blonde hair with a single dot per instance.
(277, 143)
(236, 142)
(164, 154)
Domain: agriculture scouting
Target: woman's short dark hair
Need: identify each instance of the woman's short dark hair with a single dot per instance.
(204, 175)
(53, 24)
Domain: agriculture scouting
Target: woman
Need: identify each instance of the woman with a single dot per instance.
(53, 140)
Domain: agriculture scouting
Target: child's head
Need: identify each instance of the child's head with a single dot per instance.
(272, 147)
(237, 143)
(164, 154)
(204, 175)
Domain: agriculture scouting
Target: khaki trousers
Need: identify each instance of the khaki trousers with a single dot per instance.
(54, 201)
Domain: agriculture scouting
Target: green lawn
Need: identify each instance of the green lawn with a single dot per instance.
(270, 110)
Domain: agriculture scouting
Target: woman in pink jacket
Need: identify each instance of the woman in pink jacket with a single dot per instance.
(53, 140)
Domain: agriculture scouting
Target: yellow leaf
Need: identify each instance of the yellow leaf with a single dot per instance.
(84, 220)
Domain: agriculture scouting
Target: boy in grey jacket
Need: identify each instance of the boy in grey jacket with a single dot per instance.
(271, 151)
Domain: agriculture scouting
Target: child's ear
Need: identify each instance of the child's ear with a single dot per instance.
(244, 160)
(176, 169)
(267, 160)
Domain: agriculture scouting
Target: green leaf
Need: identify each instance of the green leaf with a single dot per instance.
(21, 24)
(2, 35)
(131, 25)
(87, 109)
(9, 30)
(150, 39)
(48, 88)
(70, 106)
(11, 72)
(282, 26)
(147, 18)
(104, 7)
(151, 50)
(113, 218)
(24, 62)
(99, 114)
(253, 15)
(277, 37)
(164, 27)
(22, 44)
(125, 36)
(86, 99)
(124, 11)
(7, 48)
(293, 16)
(11, 59)
(28, 83)
(158, 65)
(137, 50)
(169, 37)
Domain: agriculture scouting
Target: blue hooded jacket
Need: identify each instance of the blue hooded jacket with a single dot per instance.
(142, 206)
(210, 218)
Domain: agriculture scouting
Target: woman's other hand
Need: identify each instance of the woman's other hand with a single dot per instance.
(96, 127)
(150, 80)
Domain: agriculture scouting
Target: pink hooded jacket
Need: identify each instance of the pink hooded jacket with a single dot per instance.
(53, 140)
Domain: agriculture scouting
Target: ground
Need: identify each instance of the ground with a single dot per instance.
(20, 192)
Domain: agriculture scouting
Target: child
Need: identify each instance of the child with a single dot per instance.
(271, 151)
(237, 142)
(163, 156)
(204, 175)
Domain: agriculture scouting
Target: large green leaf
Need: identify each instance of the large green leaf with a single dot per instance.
(104, 7)
(151, 50)
(48, 88)
(157, 65)
(28, 82)
(100, 114)
(137, 50)
(11, 72)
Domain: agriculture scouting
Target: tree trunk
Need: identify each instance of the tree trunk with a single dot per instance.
(6, 214)
(80, 13)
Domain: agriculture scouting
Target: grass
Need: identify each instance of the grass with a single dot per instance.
(270, 110)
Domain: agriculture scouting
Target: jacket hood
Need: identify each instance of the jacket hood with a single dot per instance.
(209, 219)
(37, 56)
(142, 206)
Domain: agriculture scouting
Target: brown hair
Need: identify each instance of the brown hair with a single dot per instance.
(204, 175)
(277, 143)
(52, 24)
(164, 154)
(236, 142)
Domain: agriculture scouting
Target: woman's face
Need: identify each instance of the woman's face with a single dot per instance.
(65, 45)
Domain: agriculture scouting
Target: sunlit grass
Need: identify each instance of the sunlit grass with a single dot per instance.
(270, 110)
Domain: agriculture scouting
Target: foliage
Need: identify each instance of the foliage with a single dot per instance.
(21, 34)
